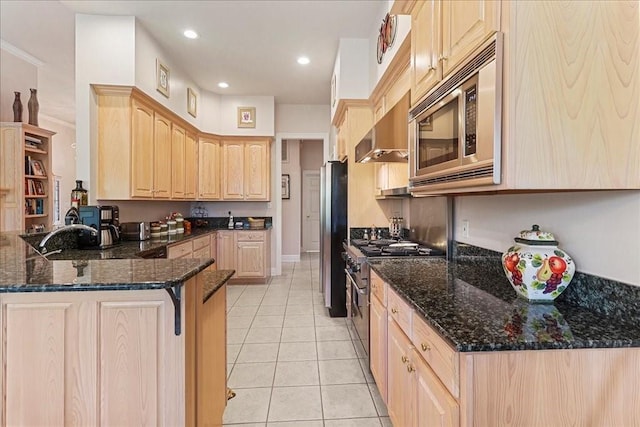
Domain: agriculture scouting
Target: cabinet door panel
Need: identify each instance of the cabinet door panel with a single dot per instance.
(378, 343)
(425, 48)
(178, 144)
(209, 169)
(226, 251)
(232, 170)
(256, 171)
(190, 167)
(131, 358)
(142, 151)
(162, 157)
(465, 24)
(49, 360)
(250, 259)
(434, 406)
(400, 382)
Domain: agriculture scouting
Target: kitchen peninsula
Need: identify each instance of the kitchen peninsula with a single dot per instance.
(110, 341)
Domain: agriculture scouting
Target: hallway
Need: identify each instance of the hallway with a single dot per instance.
(291, 364)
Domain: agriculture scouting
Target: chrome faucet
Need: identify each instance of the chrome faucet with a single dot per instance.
(69, 227)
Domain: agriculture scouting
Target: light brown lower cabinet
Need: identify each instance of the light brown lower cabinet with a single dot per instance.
(378, 343)
(112, 358)
(248, 252)
(428, 383)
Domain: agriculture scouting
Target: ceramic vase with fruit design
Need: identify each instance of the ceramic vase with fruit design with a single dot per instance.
(536, 268)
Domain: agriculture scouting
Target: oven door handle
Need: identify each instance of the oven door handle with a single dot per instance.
(361, 291)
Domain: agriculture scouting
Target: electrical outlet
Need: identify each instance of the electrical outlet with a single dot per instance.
(465, 228)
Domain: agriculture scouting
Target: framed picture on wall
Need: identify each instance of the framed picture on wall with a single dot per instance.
(246, 117)
(162, 78)
(192, 102)
(286, 186)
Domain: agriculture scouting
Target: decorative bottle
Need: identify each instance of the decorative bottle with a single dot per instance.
(230, 225)
(33, 107)
(17, 108)
(79, 196)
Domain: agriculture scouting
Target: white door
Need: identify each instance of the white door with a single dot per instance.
(311, 211)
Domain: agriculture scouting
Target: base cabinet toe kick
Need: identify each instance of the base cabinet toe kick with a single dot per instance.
(124, 357)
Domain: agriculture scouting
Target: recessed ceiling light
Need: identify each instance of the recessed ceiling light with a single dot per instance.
(190, 34)
(223, 85)
(303, 60)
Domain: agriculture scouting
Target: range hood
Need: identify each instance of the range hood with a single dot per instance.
(387, 141)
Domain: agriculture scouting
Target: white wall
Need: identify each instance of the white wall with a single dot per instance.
(600, 230)
(302, 118)
(63, 158)
(403, 27)
(147, 50)
(105, 54)
(291, 208)
(17, 75)
(351, 71)
(229, 116)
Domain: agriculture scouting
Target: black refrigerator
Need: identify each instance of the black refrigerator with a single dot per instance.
(333, 231)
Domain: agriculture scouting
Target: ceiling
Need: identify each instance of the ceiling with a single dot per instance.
(252, 45)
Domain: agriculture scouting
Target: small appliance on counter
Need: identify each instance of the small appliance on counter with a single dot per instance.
(106, 220)
(135, 231)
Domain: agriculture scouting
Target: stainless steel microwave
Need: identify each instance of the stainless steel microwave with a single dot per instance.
(455, 133)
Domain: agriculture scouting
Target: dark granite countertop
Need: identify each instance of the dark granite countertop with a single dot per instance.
(23, 269)
(133, 249)
(470, 302)
(213, 280)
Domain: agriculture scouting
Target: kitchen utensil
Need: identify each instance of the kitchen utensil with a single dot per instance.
(536, 268)
(137, 230)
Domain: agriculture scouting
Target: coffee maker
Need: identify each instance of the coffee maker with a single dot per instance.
(105, 219)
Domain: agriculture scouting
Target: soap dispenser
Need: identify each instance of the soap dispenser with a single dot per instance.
(230, 225)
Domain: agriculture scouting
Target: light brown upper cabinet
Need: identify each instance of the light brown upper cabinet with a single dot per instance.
(209, 168)
(570, 88)
(443, 33)
(190, 166)
(142, 148)
(465, 25)
(246, 169)
(141, 151)
(178, 146)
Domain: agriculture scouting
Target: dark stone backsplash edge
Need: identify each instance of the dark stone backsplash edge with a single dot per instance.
(604, 296)
(222, 222)
(358, 232)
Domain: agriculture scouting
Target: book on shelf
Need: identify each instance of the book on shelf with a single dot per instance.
(27, 165)
(34, 207)
(32, 140)
(33, 188)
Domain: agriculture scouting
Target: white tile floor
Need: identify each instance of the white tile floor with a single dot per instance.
(291, 364)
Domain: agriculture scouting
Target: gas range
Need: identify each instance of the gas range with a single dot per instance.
(393, 248)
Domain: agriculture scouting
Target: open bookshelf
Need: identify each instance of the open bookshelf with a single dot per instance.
(26, 177)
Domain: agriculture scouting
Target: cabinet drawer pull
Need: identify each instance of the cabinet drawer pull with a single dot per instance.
(410, 368)
(394, 310)
(443, 58)
(425, 346)
(404, 359)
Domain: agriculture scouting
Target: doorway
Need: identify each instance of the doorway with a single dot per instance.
(310, 211)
